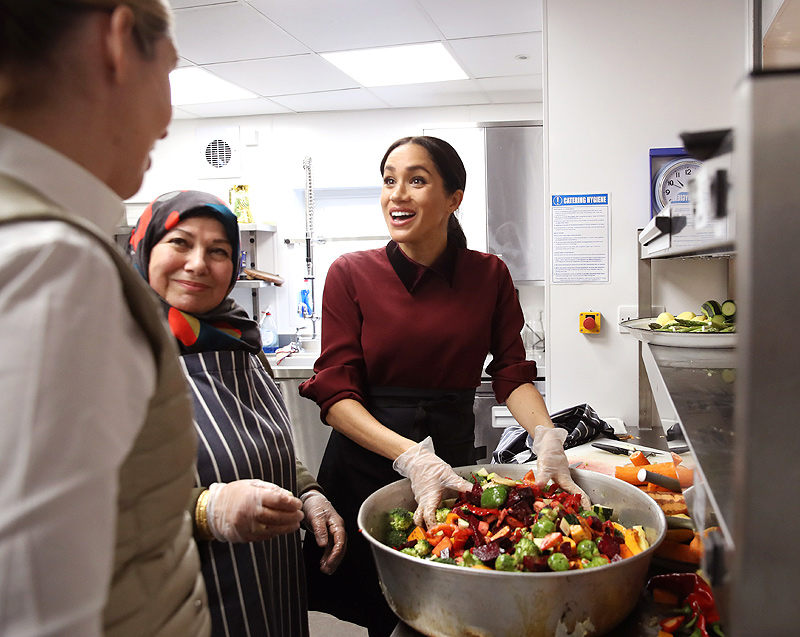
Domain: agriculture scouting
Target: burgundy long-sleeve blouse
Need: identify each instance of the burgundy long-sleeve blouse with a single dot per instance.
(388, 321)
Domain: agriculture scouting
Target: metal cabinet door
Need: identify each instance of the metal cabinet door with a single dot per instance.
(515, 199)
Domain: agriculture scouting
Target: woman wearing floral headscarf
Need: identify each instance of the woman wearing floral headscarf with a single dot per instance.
(247, 515)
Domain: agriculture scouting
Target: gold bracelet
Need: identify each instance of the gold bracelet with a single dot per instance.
(201, 520)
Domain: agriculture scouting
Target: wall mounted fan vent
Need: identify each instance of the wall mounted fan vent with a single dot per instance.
(218, 152)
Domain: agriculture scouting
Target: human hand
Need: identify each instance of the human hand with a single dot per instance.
(430, 476)
(552, 462)
(328, 528)
(251, 510)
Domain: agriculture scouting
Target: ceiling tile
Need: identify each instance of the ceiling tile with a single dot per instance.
(184, 4)
(284, 75)
(326, 25)
(260, 106)
(357, 99)
(496, 55)
(228, 32)
(473, 18)
(179, 113)
(433, 94)
(513, 90)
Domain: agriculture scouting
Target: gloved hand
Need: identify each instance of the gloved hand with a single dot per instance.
(328, 528)
(430, 476)
(552, 463)
(251, 510)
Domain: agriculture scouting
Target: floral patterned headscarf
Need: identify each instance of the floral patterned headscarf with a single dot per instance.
(227, 326)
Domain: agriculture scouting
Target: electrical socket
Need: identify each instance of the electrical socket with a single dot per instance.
(628, 312)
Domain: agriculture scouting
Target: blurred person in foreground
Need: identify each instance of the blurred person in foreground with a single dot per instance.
(97, 445)
(252, 493)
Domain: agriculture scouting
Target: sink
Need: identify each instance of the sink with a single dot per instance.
(298, 365)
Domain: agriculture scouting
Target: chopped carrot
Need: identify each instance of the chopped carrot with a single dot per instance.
(696, 543)
(501, 533)
(664, 633)
(624, 551)
(629, 472)
(665, 597)
(679, 552)
(417, 534)
(445, 543)
(639, 459)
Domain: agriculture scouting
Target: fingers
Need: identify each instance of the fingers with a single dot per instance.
(335, 550)
(274, 497)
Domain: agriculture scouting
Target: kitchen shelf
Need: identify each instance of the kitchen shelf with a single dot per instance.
(695, 389)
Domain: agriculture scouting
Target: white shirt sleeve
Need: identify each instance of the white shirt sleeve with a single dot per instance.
(76, 374)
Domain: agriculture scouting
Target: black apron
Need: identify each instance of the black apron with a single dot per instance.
(349, 473)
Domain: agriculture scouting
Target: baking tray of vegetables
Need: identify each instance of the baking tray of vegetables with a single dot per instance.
(713, 328)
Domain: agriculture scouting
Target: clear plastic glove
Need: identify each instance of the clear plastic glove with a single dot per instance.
(552, 463)
(328, 528)
(251, 511)
(430, 476)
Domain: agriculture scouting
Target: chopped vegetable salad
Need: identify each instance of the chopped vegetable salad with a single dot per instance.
(514, 525)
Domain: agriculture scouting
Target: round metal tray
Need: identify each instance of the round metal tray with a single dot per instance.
(703, 340)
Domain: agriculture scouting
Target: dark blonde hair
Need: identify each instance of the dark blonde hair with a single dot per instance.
(30, 30)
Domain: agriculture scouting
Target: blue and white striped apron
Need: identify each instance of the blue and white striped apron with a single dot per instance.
(254, 589)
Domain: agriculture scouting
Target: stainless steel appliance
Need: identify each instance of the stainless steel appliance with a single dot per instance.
(515, 198)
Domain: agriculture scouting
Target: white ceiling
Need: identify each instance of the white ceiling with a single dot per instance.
(273, 47)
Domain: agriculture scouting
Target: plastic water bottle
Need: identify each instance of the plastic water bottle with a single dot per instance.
(269, 333)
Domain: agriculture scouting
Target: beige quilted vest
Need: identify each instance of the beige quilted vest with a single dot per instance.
(157, 588)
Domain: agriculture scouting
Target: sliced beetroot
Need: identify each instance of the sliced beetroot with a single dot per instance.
(535, 563)
(607, 546)
(568, 549)
(486, 552)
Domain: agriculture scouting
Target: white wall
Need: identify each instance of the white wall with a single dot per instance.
(622, 77)
(346, 149)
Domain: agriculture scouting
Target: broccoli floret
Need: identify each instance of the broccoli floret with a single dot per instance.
(444, 560)
(409, 551)
(441, 514)
(400, 519)
(423, 548)
(396, 538)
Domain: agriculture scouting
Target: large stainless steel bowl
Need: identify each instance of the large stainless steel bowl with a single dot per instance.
(440, 600)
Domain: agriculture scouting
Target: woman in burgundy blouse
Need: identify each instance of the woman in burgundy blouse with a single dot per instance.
(405, 333)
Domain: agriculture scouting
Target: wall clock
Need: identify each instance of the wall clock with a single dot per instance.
(671, 169)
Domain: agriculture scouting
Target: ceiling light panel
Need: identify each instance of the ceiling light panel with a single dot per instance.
(393, 66)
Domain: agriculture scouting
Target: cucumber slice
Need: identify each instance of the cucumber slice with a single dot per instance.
(711, 309)
(602, 512)
(728, 309)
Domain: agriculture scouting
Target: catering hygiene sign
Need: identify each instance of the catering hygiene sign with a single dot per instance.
(581, 240)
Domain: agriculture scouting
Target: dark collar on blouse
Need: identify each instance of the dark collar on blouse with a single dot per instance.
(411, 273)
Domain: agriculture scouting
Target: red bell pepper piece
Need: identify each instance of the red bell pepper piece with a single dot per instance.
(480, 510)
(671, 624)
